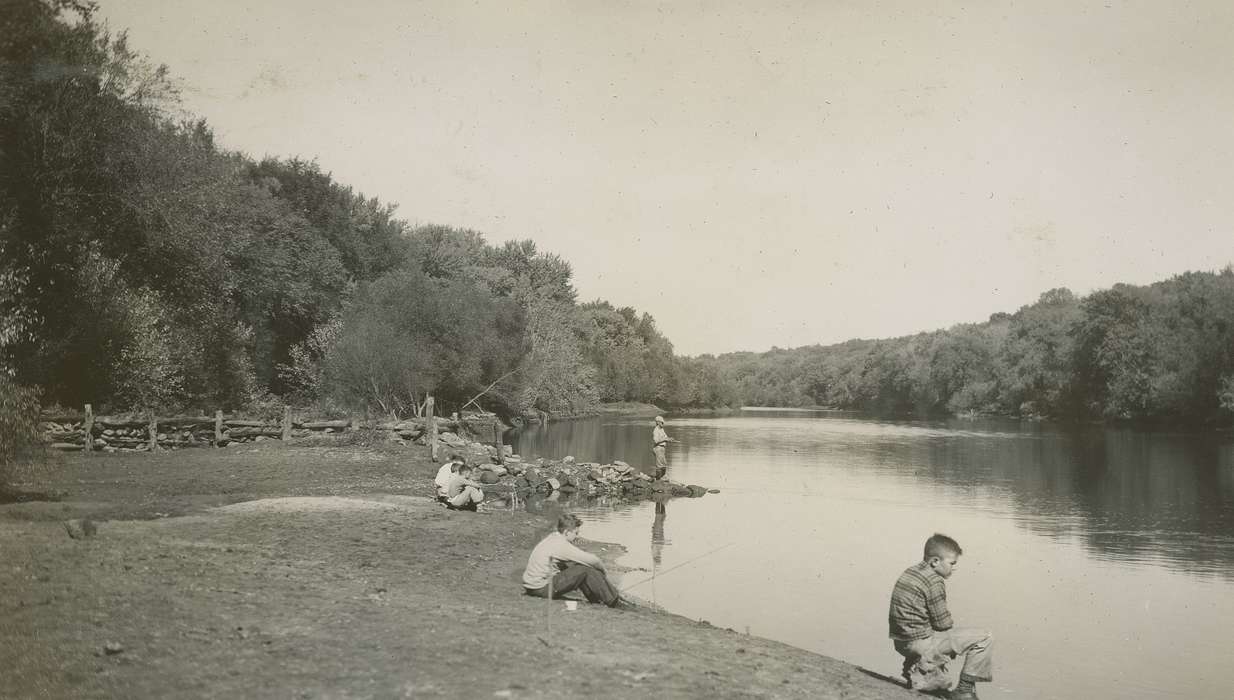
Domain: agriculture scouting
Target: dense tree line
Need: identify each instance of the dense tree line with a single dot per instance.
(142, 265)
(1162, 352)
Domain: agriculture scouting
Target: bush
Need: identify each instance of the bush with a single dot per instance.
(19, 426)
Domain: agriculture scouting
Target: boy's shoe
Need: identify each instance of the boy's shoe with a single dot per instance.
(623, 604)
(963, 695)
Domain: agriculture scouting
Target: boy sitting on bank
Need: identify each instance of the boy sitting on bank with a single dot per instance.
(922, 630)
(447, 471)
(556, 567)
(463, 493)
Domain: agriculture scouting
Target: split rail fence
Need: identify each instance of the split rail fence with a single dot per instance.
(147, 432)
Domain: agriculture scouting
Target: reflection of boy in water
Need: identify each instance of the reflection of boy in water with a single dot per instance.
(657, 531)
(922, 630)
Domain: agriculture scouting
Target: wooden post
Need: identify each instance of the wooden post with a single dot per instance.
(88, 427)
(218, 428)
(432, 428)
(286, 423)
(153, 429)
(501, 449)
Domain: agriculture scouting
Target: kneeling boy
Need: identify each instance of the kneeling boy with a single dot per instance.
(921, 627)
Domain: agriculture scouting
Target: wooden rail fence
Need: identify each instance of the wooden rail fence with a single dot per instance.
(145, 432)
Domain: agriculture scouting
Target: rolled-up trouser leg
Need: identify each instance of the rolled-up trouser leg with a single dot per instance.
(661, 461)
(975, 645)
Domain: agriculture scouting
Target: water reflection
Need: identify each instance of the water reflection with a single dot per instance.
(657, 531)
(1123, 537)
(1129, 495)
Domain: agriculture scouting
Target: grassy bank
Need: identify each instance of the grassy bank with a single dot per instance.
(281, 571)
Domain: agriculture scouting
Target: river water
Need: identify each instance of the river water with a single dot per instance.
(1102, 559)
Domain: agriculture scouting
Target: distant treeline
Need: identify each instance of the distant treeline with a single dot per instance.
(142, 265)
(1162, 352)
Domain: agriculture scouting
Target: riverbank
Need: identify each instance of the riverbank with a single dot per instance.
(287, 571)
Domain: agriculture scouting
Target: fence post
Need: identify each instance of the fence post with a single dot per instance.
(286, 423)
(501, 450)
(89, 428)
(218, 428)
(432, 428)
(153, 429)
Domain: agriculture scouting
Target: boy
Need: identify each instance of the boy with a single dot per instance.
(463, 493)
(442, 482)
(557, 567)
(921, 625)
(659, 447)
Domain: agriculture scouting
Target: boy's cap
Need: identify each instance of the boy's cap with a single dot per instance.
(659, 419)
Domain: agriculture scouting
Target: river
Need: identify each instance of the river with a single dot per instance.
(1101, 559)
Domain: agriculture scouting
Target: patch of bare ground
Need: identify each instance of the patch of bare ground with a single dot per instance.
(277, 571)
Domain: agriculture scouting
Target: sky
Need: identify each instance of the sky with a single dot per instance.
(753, 174)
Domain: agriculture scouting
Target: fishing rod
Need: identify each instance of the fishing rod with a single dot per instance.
(671, 568)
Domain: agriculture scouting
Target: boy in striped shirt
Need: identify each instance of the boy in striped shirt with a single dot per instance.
(921, 627)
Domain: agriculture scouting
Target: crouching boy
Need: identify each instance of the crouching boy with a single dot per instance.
(463, 493)
(556, 567)
(922, 630)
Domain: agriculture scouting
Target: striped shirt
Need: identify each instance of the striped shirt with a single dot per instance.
(918, 604)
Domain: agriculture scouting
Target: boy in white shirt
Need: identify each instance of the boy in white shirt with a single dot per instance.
(557, 567)
(448, 470)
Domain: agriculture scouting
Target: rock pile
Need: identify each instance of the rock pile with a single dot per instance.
(589, 479)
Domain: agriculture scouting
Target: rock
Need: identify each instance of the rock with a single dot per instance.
(696, 491)
(567, 488)
(113, 648)
(568, 460)
(713, 490)
(644, 476)
(554, 484)
(679, 490)
(452, 440)
(488, 477)
(79, 529)
(500, 470)
(508, 450)
(619, 463)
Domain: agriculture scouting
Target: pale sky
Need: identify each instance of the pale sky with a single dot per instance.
(753, 173)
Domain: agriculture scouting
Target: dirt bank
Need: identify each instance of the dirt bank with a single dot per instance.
(277, 571)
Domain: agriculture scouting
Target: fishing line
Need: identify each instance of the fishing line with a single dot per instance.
(678, 566)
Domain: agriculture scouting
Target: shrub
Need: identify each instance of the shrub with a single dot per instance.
(19, 426)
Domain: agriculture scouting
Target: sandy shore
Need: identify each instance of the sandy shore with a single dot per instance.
(282, 571)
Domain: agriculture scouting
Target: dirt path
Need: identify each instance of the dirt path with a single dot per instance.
(285, 572)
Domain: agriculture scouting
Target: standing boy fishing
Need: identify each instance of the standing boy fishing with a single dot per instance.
(922, 630)
(659, 446)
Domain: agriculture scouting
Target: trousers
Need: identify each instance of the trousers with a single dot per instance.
(661, 460)
(592, 582)
(975, 645)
